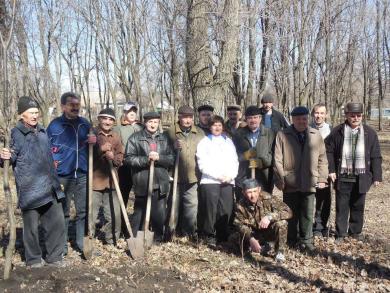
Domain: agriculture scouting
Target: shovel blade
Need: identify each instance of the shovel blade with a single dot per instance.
(87, 249)
(136, 247)
(146, 238)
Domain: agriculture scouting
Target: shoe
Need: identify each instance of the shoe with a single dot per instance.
(58, 264)
(339, 239)
(210, 241)
(317, 233)
(307, 247)
(358, 237)
(37, 265)
(265, 248)
(280, 257)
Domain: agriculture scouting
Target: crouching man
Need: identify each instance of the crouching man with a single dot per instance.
(260, 218)
(38, 187)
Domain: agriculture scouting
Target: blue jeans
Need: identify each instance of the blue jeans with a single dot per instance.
(76, 189)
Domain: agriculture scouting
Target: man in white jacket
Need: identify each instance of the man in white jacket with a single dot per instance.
(218, 163)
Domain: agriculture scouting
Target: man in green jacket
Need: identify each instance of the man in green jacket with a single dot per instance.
(185, 136)
(254, 145)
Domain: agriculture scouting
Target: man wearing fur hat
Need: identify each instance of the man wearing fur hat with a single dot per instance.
(355, 160)
(108, 149)
(38, 187)
(260, 217)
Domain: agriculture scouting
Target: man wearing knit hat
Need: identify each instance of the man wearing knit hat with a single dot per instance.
(39, 190)
(108, 148)
(272, 118)
(69, 144)
(185, 136)
(300, 166)
(355, 160)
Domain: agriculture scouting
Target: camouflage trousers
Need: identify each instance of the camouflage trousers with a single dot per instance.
(276, 232)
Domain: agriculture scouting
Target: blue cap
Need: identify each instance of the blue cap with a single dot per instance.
(300, 110)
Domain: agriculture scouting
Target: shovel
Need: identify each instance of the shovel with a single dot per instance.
(135, 245)
(175, 200)
(147, 235)
(88, 239)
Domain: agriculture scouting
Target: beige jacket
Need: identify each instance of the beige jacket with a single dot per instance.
(297, 168)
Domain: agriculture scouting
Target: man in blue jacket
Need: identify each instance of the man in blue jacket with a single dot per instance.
(69, 144)
(37, 185)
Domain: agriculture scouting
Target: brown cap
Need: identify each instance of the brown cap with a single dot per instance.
(353, 108)
(233, 107)
(185, 110)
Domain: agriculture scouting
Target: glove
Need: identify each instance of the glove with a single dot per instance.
(249, 154)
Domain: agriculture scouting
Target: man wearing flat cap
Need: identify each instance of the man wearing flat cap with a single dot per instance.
(39, 190)
(143, 147)
(234, 119)
(185, 136)
(205, 113)
(128, 125)
(272, 118)
(108, 148)
(260, 217)
(300, 167)
(355, 162)
(254, 145)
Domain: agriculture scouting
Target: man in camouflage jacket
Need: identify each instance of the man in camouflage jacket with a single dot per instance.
(260, 218)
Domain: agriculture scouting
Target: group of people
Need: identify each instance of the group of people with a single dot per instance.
(227, 171)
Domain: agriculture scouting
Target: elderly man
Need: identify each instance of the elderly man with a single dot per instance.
(69, 144)
(323, 196)
(272, 118)
(205, 113)
(143, 147)
(254, 145)
(354, 165)
(234, 119)
(260, 217)
(186, 136)
(38, 187)
(108, 150)
(128, 125)
(300, 167)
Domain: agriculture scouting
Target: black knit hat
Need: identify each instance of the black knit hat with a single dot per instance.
(252, 111)
(107, 112)
(205, 108)
(26, 103)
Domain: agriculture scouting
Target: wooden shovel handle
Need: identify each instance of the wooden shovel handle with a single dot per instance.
(149, 199)
(173, 216)
(90, 186)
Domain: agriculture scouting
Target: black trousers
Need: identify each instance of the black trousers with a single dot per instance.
(215, 210)
(125, 185)
(322, 212)
(349, 209)
(51, 218)
(158, 214)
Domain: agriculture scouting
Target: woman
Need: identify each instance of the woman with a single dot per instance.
(218, 163)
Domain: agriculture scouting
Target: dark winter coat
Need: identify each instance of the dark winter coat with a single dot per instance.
(373, 158)
(35, 175)
(278, 121)
(136, 156)
(264, 150)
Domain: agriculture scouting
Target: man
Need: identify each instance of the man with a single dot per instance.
(254, 145)
(234, 119)
(205, 113)
(38, 187)
(143, 147)
(69, 144)
(260, 217)
(354, 165)
(128, 125)
(108, 150)
(186, 136)
(272, 119)
(323, 196)
(300, 167)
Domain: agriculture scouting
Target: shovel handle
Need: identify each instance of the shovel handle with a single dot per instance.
(90, 185)
(175, 200)
(120, 197)
(149, 199)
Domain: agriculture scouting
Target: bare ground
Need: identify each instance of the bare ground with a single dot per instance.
(180, 266)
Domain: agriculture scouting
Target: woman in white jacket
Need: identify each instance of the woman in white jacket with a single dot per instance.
(218, 163)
